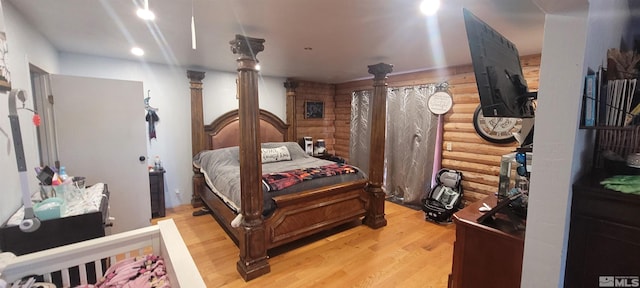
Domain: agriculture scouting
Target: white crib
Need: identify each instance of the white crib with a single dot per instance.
(162, 239)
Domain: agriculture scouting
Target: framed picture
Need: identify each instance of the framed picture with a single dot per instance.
(313, 109)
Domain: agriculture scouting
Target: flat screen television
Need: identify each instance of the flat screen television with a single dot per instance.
(501, 85)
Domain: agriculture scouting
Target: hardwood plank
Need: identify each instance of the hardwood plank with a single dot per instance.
(409, 252)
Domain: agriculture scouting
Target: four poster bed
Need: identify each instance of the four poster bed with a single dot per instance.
(295, 215)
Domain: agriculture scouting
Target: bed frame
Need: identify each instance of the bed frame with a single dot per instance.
(297, 215)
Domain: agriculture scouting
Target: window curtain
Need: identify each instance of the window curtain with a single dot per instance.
(360, 130)
(409, 142)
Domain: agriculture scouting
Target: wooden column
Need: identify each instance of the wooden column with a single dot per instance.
(253, 253)
(375, 214)
(291, 109)
(197, 129)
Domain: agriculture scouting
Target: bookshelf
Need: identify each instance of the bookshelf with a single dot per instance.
(610, 100)
(611, 107)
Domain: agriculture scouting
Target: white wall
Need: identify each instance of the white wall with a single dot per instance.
(219, 90)
(169, 91)
(555, 137)
(573, 41)
(169, 87)
(608, 21)
(25, 46)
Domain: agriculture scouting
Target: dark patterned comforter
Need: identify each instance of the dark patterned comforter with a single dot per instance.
(281, 180)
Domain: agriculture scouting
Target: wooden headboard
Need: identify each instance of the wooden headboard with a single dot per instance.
(225, 130)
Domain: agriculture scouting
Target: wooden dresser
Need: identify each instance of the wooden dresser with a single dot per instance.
(486, 255)
(56, 232)
(604, 238)
(156, 188)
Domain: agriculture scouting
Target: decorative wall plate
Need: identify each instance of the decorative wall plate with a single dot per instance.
(440, 103)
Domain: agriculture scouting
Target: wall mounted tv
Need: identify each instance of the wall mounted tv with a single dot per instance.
(501, 85)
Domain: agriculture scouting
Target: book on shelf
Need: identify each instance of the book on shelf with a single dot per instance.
(608, 101)
(590, 100)
(621, 103)
(633, 107)
(601, 96)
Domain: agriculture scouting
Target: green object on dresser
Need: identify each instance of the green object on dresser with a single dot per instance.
(623, 183)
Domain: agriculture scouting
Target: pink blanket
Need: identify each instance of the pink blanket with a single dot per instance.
(137, 272)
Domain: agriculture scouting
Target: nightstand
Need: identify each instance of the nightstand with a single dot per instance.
(56, 232)
(156, 188)
(330, 157)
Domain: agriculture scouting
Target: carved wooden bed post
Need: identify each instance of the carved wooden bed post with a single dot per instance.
(197, 125)
(291, 109)
(253, 251)
(375, 214)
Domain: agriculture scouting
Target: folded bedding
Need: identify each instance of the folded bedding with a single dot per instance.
(281, 180)
(221, 169)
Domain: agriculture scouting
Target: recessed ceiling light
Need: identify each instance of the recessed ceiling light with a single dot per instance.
(137, 51)
(145, 13)
(258, 67)
(429, 7)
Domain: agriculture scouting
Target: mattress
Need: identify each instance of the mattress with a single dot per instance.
(221, 169)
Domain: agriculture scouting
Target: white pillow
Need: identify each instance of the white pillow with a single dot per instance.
(275, 154)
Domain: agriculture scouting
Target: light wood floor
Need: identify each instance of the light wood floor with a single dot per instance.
(408, 252)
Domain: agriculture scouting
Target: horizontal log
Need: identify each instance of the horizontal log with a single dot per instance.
(474, 196)
(325, 125)
(342, 138)
(341, 147)
(343, 142)
(344, 150)
(530, 60)
(343, 100)
(465, 98)
(458, 117)
(342, 110)
(479, 187)
(490, 180)
(459, 127)
(492, 160)
(462, 137)
(464, 88)
(462, 78)
(468, 108)
(471, 167)
(486, 149)
(346, 122)
(342, 134)
(343, 153)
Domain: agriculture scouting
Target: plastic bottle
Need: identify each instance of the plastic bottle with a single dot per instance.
(157, 164)
(63, 174)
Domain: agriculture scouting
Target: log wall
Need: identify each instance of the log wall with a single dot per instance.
(316, 128)
(478, 159)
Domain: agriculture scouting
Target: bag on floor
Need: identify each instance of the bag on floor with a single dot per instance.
(445, 198)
